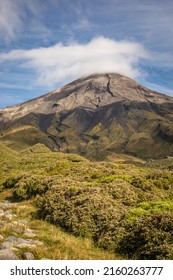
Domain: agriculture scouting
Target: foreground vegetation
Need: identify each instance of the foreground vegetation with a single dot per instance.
(124, 209)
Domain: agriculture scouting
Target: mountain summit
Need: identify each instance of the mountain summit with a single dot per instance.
(94, 116)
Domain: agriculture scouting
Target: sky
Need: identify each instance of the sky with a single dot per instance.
(45, 44)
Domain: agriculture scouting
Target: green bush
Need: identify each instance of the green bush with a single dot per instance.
(161, 179)
(29, 187)
(142, 183)
(148, 237)
(11, 182)
(149, 207)
(83, 211)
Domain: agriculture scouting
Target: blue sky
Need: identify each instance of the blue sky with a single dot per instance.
(48, 43)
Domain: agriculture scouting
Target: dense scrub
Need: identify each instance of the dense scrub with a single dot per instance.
(84, 211)
(148, 237)
(95, 213)
(122, 208)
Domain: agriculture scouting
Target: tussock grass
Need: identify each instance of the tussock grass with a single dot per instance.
(60, 245)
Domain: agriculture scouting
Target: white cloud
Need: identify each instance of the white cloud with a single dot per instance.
(63, 63)
(10, 18)
(18, 15)
(159, 88)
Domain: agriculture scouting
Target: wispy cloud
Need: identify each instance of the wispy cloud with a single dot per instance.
(62, 63)
(82, 24)
(10, 18)
(162, 59)
(9, 99)
(159, 88)
(16, 16)
(149, 21)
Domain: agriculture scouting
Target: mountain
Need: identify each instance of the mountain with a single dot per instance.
(94, 116)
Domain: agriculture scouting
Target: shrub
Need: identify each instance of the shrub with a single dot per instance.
(148, 237)
(149, 207)
(142, 183)
(83, 211)
(11, 182)
(29, 187)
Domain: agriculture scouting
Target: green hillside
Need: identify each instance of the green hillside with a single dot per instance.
(120, 210)
(6, 152)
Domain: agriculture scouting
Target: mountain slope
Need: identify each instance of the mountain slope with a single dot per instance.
(95, 117)
(7, 153)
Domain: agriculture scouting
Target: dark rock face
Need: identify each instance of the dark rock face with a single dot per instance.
(94, 116)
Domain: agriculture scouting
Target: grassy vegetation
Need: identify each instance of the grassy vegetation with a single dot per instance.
(124, 209)
(57, 243)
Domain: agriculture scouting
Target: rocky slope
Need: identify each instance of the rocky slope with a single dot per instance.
(11, 244)
(95, 117)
